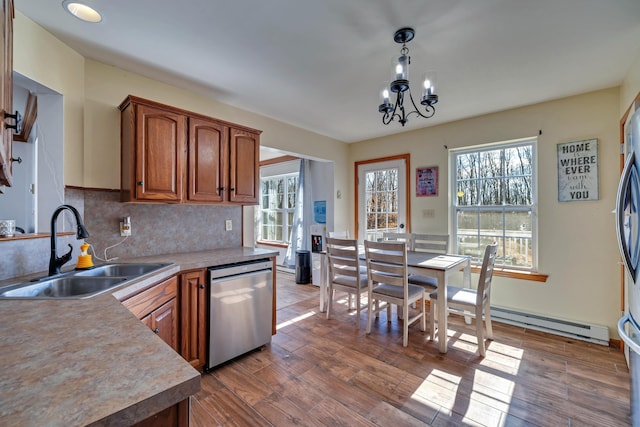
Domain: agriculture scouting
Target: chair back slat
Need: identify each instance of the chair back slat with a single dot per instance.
(486, 273)
(387, 262)
(434, 243)
(393, 236)
(343, 259)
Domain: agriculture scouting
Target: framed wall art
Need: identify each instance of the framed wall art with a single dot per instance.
(578, 171)
(427, 181)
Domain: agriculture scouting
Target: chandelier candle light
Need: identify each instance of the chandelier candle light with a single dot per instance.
(400, 84)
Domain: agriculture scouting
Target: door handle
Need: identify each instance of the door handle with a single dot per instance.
(626, 338)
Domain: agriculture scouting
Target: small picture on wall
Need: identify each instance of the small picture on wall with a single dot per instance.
(427, 181)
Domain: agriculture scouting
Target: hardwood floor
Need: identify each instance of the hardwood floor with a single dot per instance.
(319, 372)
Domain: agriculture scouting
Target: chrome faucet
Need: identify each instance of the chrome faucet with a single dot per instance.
(56, 262)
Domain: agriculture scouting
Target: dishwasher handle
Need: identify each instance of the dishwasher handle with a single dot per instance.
(240, 268)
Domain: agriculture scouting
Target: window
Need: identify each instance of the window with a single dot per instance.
(278, 201)
(494, 196)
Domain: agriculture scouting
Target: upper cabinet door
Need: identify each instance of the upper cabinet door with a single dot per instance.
(6, 90)
(160, 154)
(207, 154)
(244, 159)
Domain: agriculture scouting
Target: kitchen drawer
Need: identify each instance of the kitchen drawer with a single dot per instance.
(146, 301)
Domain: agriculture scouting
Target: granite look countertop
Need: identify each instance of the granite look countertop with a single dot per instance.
(90, 361)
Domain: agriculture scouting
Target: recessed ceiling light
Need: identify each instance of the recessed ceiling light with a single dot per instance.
(82, 11)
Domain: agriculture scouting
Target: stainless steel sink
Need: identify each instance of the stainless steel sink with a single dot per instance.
(120, 270)
(81, 283)
(63, 287)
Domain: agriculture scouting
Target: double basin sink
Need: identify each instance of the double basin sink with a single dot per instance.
(81, 283)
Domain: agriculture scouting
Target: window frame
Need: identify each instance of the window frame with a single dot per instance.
(286, 234)
(454, 209)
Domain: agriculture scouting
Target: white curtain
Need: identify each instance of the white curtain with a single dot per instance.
(302, 217)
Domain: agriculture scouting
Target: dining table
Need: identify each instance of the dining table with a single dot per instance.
(440, 266)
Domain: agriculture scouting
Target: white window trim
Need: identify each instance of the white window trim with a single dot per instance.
(277, 171)
(452, 190)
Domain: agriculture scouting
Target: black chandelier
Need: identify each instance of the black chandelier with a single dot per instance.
(400, 84)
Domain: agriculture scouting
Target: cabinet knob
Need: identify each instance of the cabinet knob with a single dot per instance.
(201, 286)
(232, 189)
(140, 182)
(221, 188)
(156, 330)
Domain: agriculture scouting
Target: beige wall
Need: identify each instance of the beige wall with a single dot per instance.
(44, 59)
(577, 242)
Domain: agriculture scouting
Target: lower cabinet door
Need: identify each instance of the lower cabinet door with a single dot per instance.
(164, 322)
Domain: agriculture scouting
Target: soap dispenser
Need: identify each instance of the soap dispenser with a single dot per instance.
(84, 259)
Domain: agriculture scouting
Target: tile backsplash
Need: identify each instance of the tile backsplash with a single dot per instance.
(156, 229)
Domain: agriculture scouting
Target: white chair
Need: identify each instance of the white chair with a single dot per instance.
(345, 273)
(387, 277)
(472, 302)
(393, 236)
(433, 243)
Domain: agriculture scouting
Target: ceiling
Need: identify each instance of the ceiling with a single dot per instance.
(320, 65)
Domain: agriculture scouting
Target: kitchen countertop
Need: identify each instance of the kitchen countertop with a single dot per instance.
(90, 361)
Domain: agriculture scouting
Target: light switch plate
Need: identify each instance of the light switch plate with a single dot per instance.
(228, 225)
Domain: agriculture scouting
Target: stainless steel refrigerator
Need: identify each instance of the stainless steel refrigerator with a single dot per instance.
(628, 231)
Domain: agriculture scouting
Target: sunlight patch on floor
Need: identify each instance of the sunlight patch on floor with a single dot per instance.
(296, 319)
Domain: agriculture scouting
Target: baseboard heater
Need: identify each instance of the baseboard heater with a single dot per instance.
(592, 333)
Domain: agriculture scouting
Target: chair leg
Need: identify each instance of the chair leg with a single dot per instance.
(424, 315)
(432, 320)
(487, 321)
(357, 308)
(480, 332)
(405, 324)
(370, 312)
(330, 302)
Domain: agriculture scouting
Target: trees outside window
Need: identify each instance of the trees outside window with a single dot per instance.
(494, 200)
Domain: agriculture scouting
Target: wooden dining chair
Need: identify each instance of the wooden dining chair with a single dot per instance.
(387, 281)
(345, 273)
(472, 302)
(433, 243)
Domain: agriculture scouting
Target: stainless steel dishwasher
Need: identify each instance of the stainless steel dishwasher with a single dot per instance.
(240, 309)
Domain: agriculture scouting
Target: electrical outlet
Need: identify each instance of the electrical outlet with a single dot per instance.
(125, 227)
(228, 225)
(428, 213)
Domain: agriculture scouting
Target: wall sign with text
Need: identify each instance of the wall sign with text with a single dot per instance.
(427, 181)
(578, 171)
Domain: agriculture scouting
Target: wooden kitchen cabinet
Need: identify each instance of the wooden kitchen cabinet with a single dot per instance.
(153, 153)
(207, 156)
(157, 307)
(193, 317)
(176, 156)
(244, 154)
(6, 91)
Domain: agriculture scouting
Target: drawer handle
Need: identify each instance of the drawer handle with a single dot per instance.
(156, 330)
